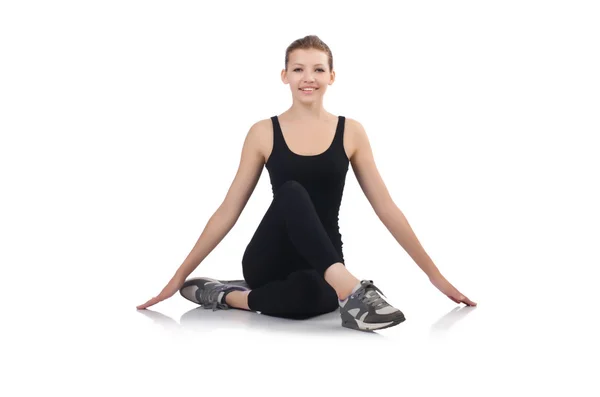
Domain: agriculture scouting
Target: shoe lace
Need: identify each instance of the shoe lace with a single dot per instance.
(369, 294)
(209, 297)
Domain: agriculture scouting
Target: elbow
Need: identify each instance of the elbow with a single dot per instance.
(227, 215)
(387, 211)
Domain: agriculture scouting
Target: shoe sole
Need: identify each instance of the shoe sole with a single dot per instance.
(350, 322)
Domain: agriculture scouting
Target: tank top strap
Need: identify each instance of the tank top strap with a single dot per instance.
(338, 140)
(278, 142)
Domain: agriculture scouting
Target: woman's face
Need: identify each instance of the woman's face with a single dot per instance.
(308, 68)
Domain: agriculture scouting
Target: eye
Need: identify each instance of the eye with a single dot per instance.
(317, 69)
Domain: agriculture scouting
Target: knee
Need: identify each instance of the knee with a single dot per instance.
(291, 186)
(292, 190)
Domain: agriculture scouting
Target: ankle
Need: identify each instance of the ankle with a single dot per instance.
(344, 292)
(238, 299)
(342, 281)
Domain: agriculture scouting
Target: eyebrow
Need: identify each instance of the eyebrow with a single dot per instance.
(318, 64)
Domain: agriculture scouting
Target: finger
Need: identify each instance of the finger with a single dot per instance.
(465, 300)
(151, 302)
(454, 299)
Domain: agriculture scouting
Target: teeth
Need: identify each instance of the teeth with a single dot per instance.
(307, 89)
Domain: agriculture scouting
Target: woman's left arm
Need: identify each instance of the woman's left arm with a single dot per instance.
(373, 186)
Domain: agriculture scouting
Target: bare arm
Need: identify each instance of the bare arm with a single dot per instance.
(226, 216)
(375, 190)
(221, 222)
(391, 216)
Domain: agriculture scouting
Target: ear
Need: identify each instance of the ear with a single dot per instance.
(284, 76)
(332, 78)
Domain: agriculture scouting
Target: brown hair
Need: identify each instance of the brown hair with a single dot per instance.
(309, 42)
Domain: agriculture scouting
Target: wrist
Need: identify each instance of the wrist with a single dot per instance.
(180, 275)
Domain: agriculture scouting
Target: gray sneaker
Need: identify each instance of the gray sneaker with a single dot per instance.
(240, 283)
(366, 310)
(208, 292)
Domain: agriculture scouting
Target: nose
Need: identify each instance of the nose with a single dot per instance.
(308, 78)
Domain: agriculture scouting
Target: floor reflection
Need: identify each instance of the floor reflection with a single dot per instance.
(205, 320)
(449, 319)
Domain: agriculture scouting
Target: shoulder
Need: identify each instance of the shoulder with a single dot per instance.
(260, 135)
(260, 130)
(260, 126)
(354, 135)
(354, 126)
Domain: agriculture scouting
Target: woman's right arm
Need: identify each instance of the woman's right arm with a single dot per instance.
(225, 217)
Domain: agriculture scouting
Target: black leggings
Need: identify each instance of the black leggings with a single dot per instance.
(285, 262)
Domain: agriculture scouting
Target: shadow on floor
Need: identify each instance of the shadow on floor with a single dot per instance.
(205, 320)
(448, 320)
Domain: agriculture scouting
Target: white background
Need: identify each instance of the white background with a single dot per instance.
(122, 124)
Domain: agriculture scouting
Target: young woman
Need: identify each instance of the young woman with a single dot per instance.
(294, 265)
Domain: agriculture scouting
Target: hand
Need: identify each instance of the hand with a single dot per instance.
(170, 289)
(447, 289)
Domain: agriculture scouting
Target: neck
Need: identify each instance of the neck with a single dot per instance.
(308, 111)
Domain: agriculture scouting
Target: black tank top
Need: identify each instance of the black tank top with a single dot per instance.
(323, 175)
